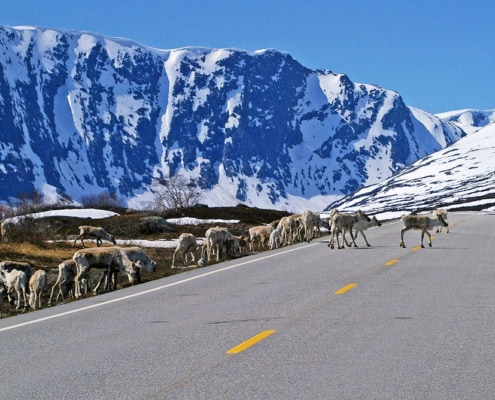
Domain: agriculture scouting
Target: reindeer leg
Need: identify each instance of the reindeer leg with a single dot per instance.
(18, 300)
(100, 281)
(114, 279)
(173, 260)
(26, 305)
(57, 283)
(338, 241)
(61, 293)
(365, 239)
(32, 300)
(353, 241)
(402, 244)
(108, 282)
(77, 287)
(345, 240)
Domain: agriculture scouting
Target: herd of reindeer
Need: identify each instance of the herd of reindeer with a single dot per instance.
(23, 285)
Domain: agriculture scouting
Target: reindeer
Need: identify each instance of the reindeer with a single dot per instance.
(343, 222)
(187, 244)
(37, 285)
(94, 231)
(361, 226)
(443, 212)
(421, 222)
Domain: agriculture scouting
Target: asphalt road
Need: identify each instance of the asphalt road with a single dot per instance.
(302, 322)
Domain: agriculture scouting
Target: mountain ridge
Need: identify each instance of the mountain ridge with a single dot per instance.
(82, 113)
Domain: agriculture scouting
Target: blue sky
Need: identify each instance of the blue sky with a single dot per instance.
(438, 54)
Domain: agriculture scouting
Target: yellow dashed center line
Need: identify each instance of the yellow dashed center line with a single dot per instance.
(345, 288)
(250, 342)
(262, 335)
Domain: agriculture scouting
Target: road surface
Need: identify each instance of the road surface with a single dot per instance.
(301, 322)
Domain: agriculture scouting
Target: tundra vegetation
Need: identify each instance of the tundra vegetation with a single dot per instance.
(46, 242)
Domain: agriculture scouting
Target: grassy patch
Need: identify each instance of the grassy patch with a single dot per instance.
(50, 241)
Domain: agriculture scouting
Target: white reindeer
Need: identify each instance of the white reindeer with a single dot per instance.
(187, 244)
(274, 241)
(37, 285)
(443, 213)
(215, 239)
(110, 259)
(15, 281)
(67, 271)
(361, 226)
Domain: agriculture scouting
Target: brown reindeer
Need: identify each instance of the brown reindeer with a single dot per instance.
(93, 231)
(422, 223)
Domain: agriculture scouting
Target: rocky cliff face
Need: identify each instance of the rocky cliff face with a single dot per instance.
(84, 114)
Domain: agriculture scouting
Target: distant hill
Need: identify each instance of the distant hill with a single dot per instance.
(459, 177)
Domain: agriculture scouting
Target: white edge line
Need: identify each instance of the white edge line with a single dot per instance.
(35, 321)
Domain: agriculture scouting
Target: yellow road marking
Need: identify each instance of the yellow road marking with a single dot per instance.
(416, 248)
(391, 262)
(345, 288)
(250, 342)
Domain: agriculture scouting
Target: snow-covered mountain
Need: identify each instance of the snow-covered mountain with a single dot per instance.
(83, 114)
(458, 177)
(469, 120)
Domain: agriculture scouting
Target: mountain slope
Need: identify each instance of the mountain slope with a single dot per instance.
(459, 177)
(84, 114)
(469, 120)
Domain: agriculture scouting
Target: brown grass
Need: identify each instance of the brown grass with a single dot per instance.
(51, 242)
